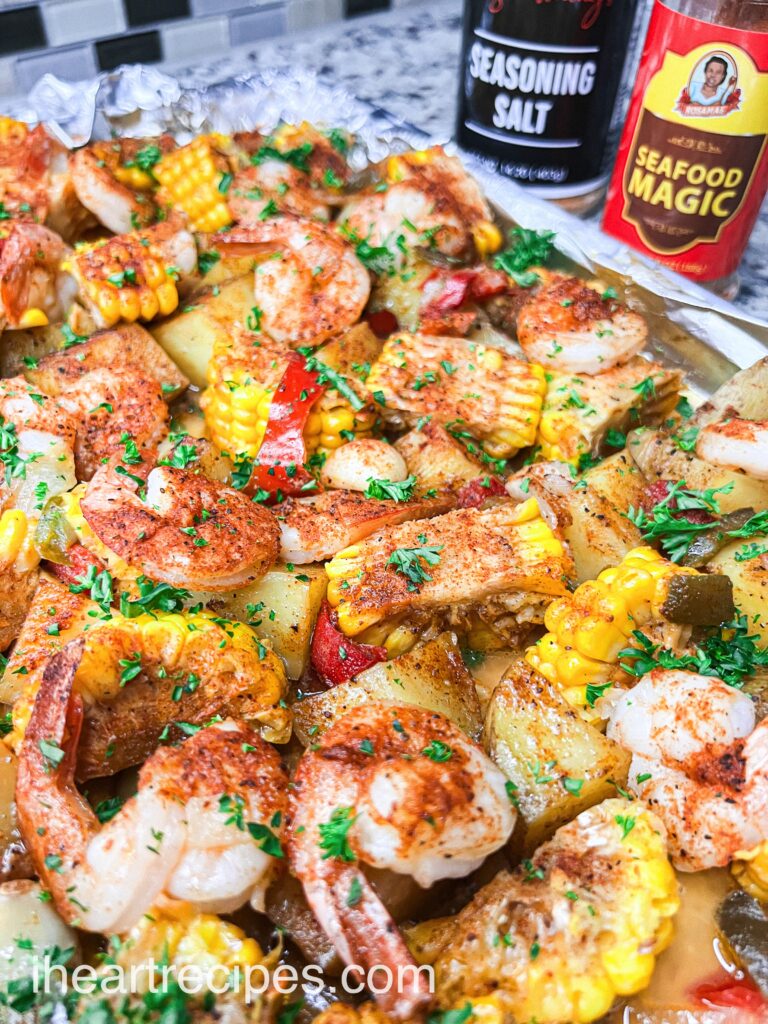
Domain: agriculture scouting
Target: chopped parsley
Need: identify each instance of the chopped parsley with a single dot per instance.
(529, 248)
(207, 260)
(401, 490)
(297, 157)
(333, 835)
(408, 561)
(438, 751)
(729, 652)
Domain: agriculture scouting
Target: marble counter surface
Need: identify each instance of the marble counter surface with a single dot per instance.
(406, 62)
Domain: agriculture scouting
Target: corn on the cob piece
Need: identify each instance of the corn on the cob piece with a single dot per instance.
(195, 179)
(214, 955)
(562, 937)
(578, 410)
(199, 665)
(123, 279)
(478, 391)
(751, 871)
(242, 380)
(503, 564)
(589, 628)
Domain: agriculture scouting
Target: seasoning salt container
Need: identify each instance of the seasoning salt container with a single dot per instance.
(538, 91)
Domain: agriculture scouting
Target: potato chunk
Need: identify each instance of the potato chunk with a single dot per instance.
(431, 675)
(281, 607)
(558, 764)
(750, 585)
(189, 335)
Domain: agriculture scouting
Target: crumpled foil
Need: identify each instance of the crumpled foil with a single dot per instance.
(711, 337)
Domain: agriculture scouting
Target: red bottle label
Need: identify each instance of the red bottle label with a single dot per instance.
(692, 166)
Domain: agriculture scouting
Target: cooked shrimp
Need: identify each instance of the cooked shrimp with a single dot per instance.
(311, 288)
(186, 530)
(352, 466)
(736, 444)
(394, 787)
(297, 169)
(570, 327)
(274, 184)
(114, 186)
(35, 183)
(109, 409)
(430, 201)
(698, 761)
(37, 438)
(315, 528)
(33, 288)
(185, 834)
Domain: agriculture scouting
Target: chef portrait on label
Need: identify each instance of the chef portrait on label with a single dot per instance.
(713, 80)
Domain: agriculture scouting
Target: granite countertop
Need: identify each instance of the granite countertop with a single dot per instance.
(405, 61)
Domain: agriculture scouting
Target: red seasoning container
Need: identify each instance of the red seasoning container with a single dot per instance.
(692, 165)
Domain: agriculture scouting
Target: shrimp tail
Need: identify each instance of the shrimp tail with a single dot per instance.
(54, 819)
(354, 915)
(57, 713)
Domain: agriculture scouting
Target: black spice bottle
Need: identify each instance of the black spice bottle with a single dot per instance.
(538, 90)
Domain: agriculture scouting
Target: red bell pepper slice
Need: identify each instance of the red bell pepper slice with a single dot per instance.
(279, 465)
(335, 657)
(76, 569)
(476, 492)
(733, 993)
(464, 285)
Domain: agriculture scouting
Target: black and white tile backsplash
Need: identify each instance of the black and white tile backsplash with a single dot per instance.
(75, 39)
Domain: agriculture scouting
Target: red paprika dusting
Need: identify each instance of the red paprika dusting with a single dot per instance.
(476, 492)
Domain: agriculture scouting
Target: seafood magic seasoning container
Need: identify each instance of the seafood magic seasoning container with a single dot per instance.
(538, 90)
(692, 166)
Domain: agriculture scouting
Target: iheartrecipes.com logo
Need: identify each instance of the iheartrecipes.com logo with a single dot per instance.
(248, 982)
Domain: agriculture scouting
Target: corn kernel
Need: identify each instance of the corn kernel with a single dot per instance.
(33, 317)
(488, 238)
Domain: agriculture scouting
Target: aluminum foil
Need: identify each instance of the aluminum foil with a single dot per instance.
(690, 327)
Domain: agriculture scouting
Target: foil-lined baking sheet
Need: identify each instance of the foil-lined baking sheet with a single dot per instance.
(690, 327)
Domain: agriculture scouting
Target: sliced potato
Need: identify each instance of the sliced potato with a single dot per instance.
(33, 344)
(349, 353)
(558, 763)
(28, 927)
(126, 347)
(281, 607)
(189, 335)
(660, 458)
(750, 586)
(436, 459)
(597, 533)
(618, 479)
(431, 675)
(402, 294)
(225, 269)
(744, 396)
